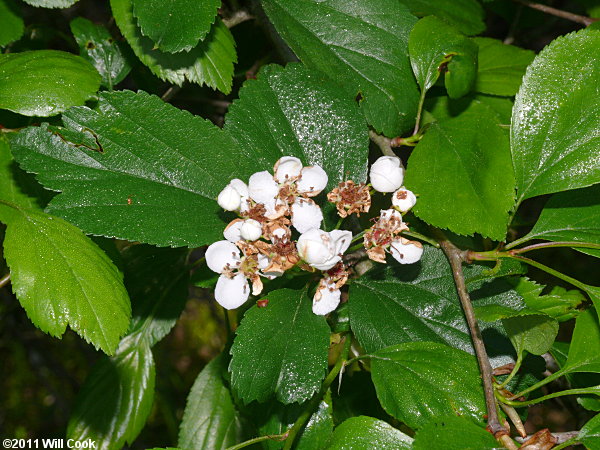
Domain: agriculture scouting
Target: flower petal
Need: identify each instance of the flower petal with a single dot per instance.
(251, 230)
(387, 174)
(263, 188)
(405, 251)
(222, 254)
(232, 232)
(287, 168)
(232, 293)
(326, 299)
(229, 199)
(313, 180)
(240, 187)
(341, 239)
(306, 214)
(403, 199)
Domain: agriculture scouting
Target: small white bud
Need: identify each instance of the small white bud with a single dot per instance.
(287, 168)
(313, 180)
(232, 293)
(263, 188)
(232, 232)
(387, 174)
(320, 249)
(403, 199)
(251, 230)
(222, 254)
(326, 299)
(229, 199)
(341, 240)
(306, 214)
(405, 251)
(239, 186)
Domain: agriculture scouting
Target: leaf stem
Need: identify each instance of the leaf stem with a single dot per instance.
(384, 143)
(275, 437)
(549, 396)
(314, 402)
(358, 236)
(422, 237)
(539, 384)
(456, 257)
(419, 112)
(584, 20)
(513, 372)
(4, 280)
(543, 245)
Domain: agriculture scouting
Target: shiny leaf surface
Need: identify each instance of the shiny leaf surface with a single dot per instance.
(51, 3)
(533, 333)
(12, 22)
(466, 15)
(584, 352)
(368, 432)
(453, 433)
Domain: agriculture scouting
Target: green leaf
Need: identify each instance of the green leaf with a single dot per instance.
(45, 82)
(572, 216)
(436, 48)
(361, 44)
(420, 381)
(469, 158)
(559, 303)
(453, 433)
(176, 25)
(11, 188)
(554, 134)
(584, 352)
(280, 349)
(296, 111)
(157, 281)
(116, 398)
(466, 15)
(210, 419)
(501, 67)
(210, 62)
(98, 47)
(589, 435)
(51, 3)
(12, 22)
(399, 303)
(368, 432)
(533, 333)
(62, 278)
(150, 173)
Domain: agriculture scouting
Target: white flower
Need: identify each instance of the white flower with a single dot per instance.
(405, 251)
(263, 188)
(232, 231)
(229, 199)
(313, 180)
(323, 250)
(306, 214)
(327, 298)
(287, 168)
(387, 174)
(385, 215)
(232, 293)
(403, 199)
(251, 230)
(240, 187)
(222, 256)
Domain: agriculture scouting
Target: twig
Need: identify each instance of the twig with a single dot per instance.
(584, 20)
(237, 18)
(560, 437)
(170, 93)
(4, 280)
(542, 245)
(456, 257)
(383, 143)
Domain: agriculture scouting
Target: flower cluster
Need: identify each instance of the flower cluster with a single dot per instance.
(259, 243)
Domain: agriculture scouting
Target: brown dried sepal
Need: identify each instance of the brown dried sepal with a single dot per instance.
(542, 440)
(282, 254)
(350, 198)
(380, 236)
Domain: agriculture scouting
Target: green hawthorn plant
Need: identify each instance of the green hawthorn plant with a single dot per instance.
(355, 213)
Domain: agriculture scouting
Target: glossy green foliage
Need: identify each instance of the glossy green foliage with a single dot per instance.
(210, 62)
(469, 159)
(51, 3)
(436, 48)
(297, 111)
(13, 182)
(176, 25)
(589, 435)
(584, 352)
(148, 171)
(62, 278)
(453, 433)
(280, 350)
(500, 67)
(466, 15)
(45, 82)
(400, 303)
(533, 333)
(554, 134)
(571, 216)
(12, 22)
(559, 303)
(102, 50)
(368, 432)
(420, 381)
(362, 45)
(210, 419)
(116, 399)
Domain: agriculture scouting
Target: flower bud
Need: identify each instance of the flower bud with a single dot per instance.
(239, 186)
(229, 199)
(306, 214)
(221, 255)
(232, 232)
(405, 251)
(326, 299)
(403, 199)
(232, 293)
(313, 180)
(251, 230)
(263, 188)
(323, 250)
(287, 168)
(387, 174)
